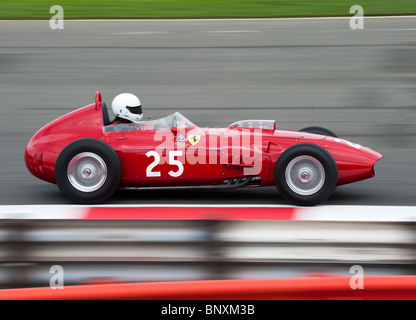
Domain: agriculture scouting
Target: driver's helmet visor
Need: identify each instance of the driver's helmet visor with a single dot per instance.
(135, 110)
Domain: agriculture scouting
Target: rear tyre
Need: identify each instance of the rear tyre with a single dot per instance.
(306, 174)
(319, 130)
(88, 171)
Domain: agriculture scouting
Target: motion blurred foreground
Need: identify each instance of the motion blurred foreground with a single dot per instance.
(204, 246)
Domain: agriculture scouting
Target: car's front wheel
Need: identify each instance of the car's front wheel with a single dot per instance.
(88, 171)
(306, 174)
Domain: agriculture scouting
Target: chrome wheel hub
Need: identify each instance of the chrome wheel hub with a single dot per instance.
(87, 172)
(305, 175)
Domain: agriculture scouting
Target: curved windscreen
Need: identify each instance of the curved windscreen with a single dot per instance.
(257, 124)
(174, 120)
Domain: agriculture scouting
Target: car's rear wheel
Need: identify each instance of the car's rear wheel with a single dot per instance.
(306, 174)
(319, 130)
(88, 171)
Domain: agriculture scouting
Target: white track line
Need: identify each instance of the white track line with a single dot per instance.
(233, 31)
(242, 19)
(138, 33)
(404, 29)
(218, 19)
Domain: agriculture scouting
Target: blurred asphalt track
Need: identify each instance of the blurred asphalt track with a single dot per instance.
(359, 83)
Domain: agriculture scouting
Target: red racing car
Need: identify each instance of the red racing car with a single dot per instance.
(89, 158)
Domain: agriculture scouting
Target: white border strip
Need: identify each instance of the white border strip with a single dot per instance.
(40, 212)
(358, 213)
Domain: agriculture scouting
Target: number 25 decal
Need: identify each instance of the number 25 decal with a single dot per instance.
(172, 161)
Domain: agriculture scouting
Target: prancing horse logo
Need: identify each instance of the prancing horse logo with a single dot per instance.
(194, 139)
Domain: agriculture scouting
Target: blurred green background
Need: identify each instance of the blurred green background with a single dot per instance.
(146, 9)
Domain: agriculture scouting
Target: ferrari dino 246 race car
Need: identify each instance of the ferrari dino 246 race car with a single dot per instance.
(89, 157)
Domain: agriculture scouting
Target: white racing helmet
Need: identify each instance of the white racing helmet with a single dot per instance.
(127, 106)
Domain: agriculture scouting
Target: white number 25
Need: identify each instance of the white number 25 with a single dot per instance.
(172, 161)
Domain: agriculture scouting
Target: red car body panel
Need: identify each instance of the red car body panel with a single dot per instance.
(354, 162)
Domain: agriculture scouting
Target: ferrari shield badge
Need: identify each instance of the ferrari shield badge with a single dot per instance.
(194, 139)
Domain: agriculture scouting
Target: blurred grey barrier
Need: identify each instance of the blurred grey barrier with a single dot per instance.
(148, 250)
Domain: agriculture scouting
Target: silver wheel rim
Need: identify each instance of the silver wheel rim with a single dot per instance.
(305, 175)
(87, 172)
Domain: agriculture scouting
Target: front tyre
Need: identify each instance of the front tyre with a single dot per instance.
(88, 171)
(306, 174)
